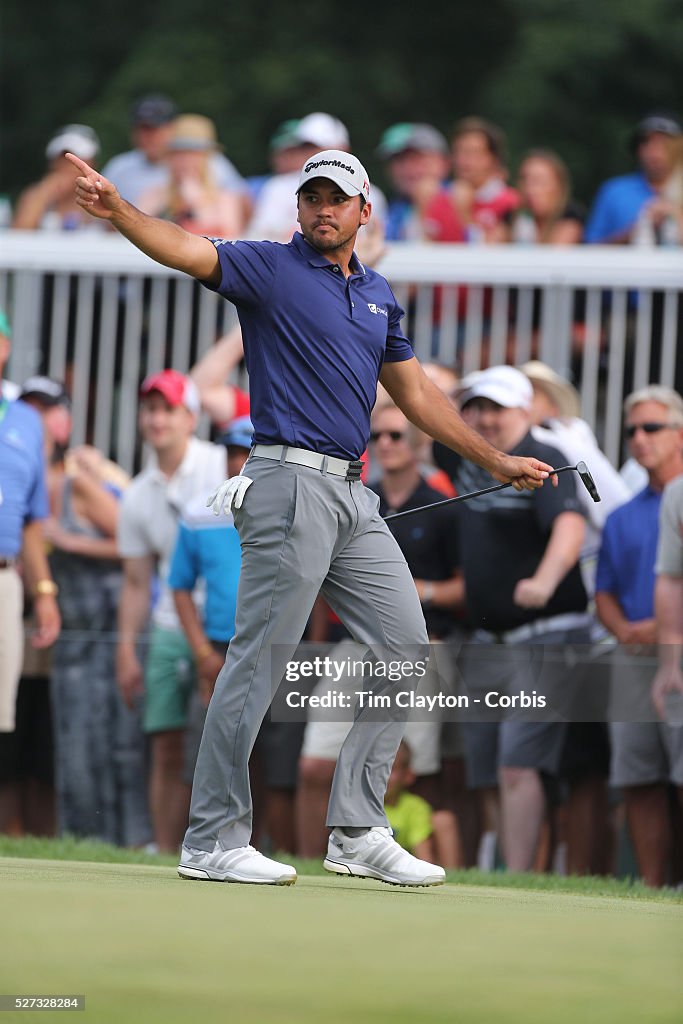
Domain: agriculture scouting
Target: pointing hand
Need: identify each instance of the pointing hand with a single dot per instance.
(95, 194)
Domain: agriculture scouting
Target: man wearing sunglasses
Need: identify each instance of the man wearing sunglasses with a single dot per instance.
(644, 752)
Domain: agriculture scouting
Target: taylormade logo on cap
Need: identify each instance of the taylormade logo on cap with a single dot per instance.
(342, 168)
(313, 164)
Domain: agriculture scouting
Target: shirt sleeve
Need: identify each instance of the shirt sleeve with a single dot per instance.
(247, 270)
(670, 543)
(398, 347)
(131, 539)
(38, 505)
(184, 573)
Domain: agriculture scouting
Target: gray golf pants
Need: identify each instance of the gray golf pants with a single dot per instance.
(301, 532)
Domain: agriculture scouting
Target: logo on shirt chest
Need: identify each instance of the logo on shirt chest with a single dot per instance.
(377, 310)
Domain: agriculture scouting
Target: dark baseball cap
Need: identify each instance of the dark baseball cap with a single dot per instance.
(655, 124)
(154, 110)
(399, 138)
(45, 390)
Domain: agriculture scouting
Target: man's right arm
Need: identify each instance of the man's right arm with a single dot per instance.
(161, 240)
(611, 615)
(609, 585)
(211, 373)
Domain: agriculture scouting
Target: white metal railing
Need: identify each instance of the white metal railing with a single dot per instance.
(89, 308)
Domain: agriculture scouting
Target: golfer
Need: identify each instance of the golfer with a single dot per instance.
(319, 330)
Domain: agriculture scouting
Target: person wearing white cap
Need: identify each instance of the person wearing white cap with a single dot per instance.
(320, 329)
(275, 213)
(49, 203)
(520, 559)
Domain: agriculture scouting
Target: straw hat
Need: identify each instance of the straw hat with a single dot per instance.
(563, 394)
(193, 132)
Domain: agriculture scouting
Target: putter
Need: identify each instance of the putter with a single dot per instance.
(581, 468)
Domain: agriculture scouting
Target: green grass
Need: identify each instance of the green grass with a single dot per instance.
(91, 851)
(143, 946)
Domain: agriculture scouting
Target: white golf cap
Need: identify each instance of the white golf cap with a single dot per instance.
(74, 138)
(341, 168)
(503, 385)
(322, 130)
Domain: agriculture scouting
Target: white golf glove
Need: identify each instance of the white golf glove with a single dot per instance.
(231, 492)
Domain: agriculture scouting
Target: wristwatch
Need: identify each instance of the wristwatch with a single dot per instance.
(46, 587)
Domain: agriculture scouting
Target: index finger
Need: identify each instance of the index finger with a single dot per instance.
(542, 472)
(81, 165)
(548, 469)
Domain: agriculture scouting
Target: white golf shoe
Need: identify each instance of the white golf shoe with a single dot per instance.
(376, 854)
(245, 864)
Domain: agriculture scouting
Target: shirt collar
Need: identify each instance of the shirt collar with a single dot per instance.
(185, 467)
(522, 444)
(316, 259)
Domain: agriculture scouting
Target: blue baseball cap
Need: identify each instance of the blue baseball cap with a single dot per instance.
(239, 433)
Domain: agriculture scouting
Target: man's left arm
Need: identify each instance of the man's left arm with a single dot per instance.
(429, 409)
(561, 554)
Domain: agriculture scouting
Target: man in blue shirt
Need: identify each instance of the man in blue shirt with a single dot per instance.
(208, 549)
(620, 200)
(319, 330)
(23, 504)
(641, 750)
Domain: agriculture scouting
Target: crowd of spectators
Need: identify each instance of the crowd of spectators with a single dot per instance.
(535, 590)
(455, 188)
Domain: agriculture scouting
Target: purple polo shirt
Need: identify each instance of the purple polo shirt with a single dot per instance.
(314, 342)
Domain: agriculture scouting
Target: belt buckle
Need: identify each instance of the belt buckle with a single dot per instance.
(354, 470)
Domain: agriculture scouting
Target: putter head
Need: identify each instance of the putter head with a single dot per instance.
(588, 481)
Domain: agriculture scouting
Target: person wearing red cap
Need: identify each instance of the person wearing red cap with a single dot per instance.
(180, 466)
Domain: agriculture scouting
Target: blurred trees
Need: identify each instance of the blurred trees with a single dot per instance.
(572, 74)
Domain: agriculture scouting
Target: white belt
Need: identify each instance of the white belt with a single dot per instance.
(313, 460)
(570, 620)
